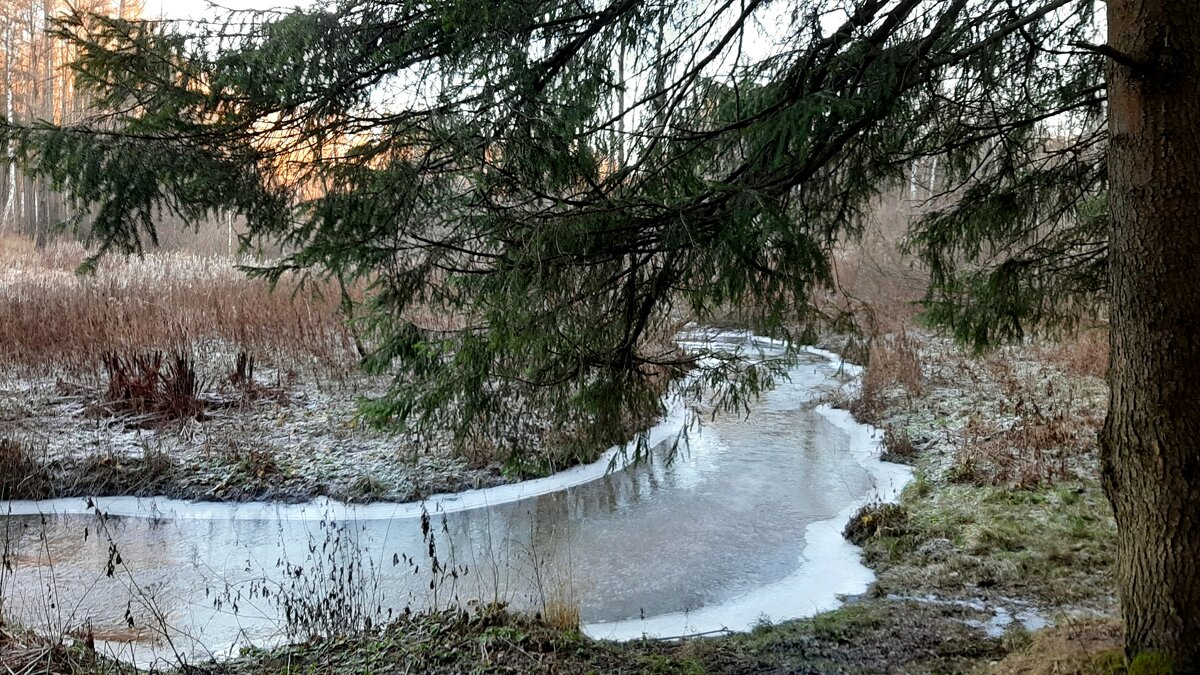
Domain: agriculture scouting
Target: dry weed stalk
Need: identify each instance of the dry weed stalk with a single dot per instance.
(1083, 354)
(1048, 437)
(22, 475)
(56, 321)
(893, 364)
(146, 390)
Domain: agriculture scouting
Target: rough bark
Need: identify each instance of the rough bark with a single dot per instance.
(1151, 439)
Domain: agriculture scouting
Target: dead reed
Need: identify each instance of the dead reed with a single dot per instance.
(22, 475)
(145, 387)
(23, 652)
(893, 364)
(56, 321)
(1082, 354)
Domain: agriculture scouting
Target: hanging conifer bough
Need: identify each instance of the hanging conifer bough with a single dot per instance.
(561, 182)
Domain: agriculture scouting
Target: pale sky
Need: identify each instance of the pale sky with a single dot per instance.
(199, 9)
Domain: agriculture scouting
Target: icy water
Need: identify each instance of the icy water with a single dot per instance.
(743, 525)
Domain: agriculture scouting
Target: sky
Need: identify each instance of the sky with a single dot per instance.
(203, 9)
(761, 40)
(200, 9)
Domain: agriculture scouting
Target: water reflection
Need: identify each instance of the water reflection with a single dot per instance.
(729, 515)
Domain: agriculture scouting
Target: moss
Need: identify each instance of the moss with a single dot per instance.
(1109, 662)
(1152, 663)
(836, 626)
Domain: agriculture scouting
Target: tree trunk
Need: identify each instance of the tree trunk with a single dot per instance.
(1151, 438)
(9, 55)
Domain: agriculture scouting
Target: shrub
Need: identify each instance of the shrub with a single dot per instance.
(875, 520)
(894, 363)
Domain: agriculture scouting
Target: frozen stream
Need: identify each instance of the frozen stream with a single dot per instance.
(744, 524)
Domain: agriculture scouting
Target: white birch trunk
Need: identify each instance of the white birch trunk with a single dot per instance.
(9, 202)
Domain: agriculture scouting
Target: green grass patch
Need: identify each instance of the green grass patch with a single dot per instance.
(1056, 545)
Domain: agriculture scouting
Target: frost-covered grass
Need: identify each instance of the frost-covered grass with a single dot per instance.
(299, 435)
(1007, 508)
(1052, 545)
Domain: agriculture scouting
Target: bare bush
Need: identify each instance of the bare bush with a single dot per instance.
(876, 287)
(1083, 354)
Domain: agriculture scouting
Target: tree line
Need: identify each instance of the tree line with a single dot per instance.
(38, 84)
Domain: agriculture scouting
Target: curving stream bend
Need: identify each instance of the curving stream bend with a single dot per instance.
(744, 524)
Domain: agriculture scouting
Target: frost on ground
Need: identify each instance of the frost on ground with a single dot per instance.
(302, 441)
(1020, 416)
(299, 439)
(1006, 511)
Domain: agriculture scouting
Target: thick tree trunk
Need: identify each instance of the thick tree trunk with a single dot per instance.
(1151, 439)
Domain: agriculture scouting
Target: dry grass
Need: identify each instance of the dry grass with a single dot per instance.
(1083, 354)
(897, 446)
(22, 475)
(562, 612)
(1031, 452)
(24, 653)
(894, 362)
(1081, 648)
(1046, 434)
(875, 520)
(112, 473)
(56, 321)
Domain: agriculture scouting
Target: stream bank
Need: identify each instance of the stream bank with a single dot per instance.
(742, 523)
(1003, 531)
(300, 436)
(999, 558)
